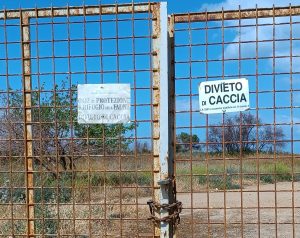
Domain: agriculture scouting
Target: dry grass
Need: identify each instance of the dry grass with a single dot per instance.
(106, 196)
(102, 198)
(201, 174)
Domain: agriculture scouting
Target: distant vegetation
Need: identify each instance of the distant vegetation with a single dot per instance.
(61, 147)
(56, 131)
(235, 173)
(243, 133)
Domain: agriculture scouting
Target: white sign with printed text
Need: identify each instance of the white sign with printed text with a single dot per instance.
(103, 103)
(220, 96)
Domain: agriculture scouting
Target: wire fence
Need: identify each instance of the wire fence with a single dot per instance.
(60, 178)
(237, 173)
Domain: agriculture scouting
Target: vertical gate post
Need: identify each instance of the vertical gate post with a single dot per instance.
(156, 109)
(27, 104)
(164, 139)
(164, 193)
(171, 120)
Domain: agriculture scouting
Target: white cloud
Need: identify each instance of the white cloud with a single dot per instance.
(264, 33)
(282, 48)
(232, 50)
(183, 104)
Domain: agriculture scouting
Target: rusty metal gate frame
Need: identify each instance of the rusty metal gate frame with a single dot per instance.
(163, 86)
(221, 16)
(162, 152)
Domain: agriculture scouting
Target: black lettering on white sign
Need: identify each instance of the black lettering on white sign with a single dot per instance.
(103, 103)
(224, 96)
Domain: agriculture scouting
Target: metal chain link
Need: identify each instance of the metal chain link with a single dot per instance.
(174, 211)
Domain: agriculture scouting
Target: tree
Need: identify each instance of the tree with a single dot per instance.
(142, 147)
(244, 133)
(184, 141)
(55, 137)
(11, 125)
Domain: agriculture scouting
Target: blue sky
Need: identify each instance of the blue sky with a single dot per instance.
(241, 40)
(174, 6)
(92, 64)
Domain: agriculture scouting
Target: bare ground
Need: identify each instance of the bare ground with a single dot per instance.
(251, 212)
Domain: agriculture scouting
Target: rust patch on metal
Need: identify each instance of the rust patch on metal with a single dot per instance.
(78, 11)
(236, 14)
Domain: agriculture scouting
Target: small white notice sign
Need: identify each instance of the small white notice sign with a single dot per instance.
(220, 96)
(103, 103)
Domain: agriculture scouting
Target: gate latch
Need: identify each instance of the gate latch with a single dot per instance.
(165, 181)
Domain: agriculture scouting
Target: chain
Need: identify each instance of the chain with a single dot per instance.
(174, 210)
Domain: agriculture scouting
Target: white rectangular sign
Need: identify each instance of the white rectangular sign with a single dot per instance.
(220, 96)
(103, 103)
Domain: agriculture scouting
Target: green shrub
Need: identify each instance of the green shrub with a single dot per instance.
(54, 190)
(219, 180)
(46, 195)
(275, 172)
(97, 180)
(144, 178)
(16, 195)
(202, 179)
(46, 222)
(116, 179)
(267, 178)
(296, 177)
(283, 172)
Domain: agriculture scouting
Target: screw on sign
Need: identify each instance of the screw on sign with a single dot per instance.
(220, 96)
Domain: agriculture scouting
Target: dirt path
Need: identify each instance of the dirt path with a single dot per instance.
(266, 212)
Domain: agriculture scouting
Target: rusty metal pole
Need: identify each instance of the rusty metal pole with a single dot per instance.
(164, 128)
(27, 104)
(156, 108)
(171, 119)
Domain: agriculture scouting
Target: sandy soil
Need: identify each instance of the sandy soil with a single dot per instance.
(251, 212)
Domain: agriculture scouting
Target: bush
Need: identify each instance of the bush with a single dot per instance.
(15, 195)
(46, 195)
(141, 178)
(113, 179)
(267, 178)
(278, 172)
(54, 190)
(219, 181)
(49, 224)
(144, 178)
(97, 180)
(283, 172)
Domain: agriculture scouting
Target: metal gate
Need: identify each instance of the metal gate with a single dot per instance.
(237, 174)
(59, 178)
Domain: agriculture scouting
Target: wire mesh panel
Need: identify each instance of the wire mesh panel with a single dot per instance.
(60, 178)
(13, 167)
(238, 173)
